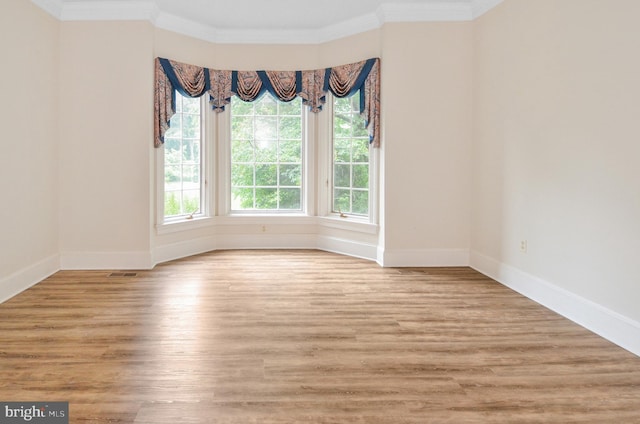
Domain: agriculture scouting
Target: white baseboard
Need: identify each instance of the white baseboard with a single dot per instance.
(23, 279)
(183, 249)
(608, 324)
(105, 260)
(266, 241)
(347, 247)
(424, 257)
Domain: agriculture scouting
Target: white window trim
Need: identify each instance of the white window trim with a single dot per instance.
(325, 173)
(185, 222)
(223, 196)
(317, 157)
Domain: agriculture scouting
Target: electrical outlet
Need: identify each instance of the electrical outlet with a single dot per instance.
(523, 246)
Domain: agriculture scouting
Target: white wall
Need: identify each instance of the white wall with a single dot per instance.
(106, 82)
(28, 146)
(427, 106)
(556, 154)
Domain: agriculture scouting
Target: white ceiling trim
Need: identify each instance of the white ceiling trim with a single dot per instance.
(480, 7)
(147, 10)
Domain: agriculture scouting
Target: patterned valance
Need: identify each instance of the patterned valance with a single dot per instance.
(312, 86)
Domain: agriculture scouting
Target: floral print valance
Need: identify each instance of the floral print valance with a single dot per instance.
(312, 86)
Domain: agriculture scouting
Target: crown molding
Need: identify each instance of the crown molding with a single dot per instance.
(148, 10)
(480, 7)
(53, 7)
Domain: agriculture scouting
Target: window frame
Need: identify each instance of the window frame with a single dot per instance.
(277, 163)
(224, 170)
(317, 162)
(325, 175)
(207, 160)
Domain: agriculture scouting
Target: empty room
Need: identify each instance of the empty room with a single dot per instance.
(362, 211)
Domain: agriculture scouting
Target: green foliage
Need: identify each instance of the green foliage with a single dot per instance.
(182, 159)
(360, 176)
(267, 144)
(290, 175)
(266, 198)
(351, 158)
(360, 202)
(342, 200)
(266, 175)
(241, 175)
(290, 151)
(342, 175)
(242, 151)
(290, 128)
(361, 150)
(290, 198)
(172, 205)
(242, 198)
(266, 151)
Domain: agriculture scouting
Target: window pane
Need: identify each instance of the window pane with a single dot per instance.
(183, 160)
(242, 108)
(242, 151)
(360, 202)
(175, 127)
(171, 151)
(172, 175)
(266, 105)
(360, 176)
(342, 176)
(191, 126)
(291, 128)
(290, 198)
(267, 151)
(290, 175)
(191, 201)
(266, 175)
(342, 200)
(266, 198)
(242, 175)
(191, 151)
(242, 198)
(350, 158)
(342, 150)
(191, 105)
(266, 155)
(266, 128)
(361, 150)
(290, 108)
(172, 202)
(290, 151)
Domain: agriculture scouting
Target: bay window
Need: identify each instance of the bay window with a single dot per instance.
(266, 143)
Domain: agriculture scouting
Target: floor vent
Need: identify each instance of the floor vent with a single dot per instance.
(123, 274)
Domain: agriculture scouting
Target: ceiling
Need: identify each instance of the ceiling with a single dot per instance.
(268, 21)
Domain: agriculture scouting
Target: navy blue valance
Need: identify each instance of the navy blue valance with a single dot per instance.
(311, 86)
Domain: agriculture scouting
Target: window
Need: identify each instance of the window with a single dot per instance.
(266, 155)
(183, 167)
(350, 191)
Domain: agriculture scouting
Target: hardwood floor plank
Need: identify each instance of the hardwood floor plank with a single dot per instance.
(305, 336)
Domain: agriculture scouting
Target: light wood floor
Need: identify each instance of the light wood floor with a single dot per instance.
(248, 337)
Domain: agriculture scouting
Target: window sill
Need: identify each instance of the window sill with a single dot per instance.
(349, 223)
(184, 225)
